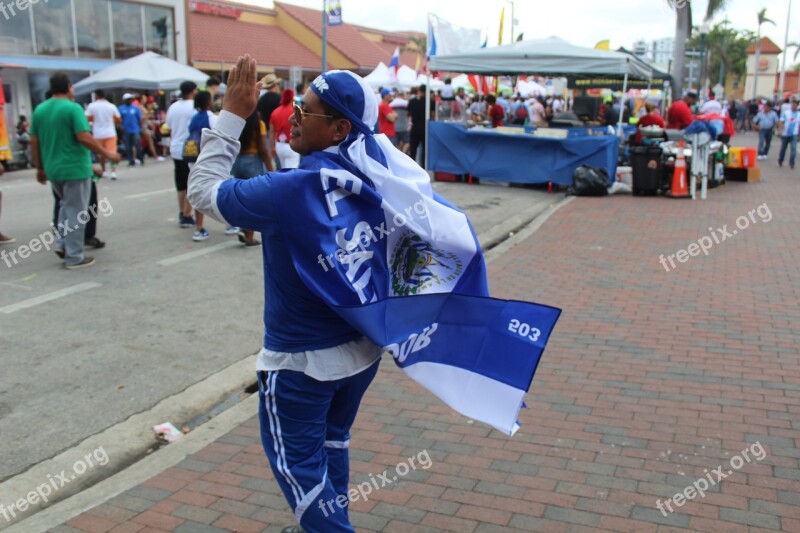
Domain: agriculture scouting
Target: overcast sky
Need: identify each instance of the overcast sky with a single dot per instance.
(582, 22)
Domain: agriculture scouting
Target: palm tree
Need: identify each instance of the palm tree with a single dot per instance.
(683, 26)
(762, 18)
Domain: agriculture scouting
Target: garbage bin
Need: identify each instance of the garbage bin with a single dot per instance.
(646, 163)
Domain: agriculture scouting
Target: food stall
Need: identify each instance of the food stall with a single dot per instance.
(522, 157)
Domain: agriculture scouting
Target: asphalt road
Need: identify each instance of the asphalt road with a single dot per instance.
(83, 350)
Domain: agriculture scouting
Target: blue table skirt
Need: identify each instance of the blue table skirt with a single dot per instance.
(516, 158)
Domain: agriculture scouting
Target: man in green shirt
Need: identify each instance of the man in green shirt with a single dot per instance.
(60, 142)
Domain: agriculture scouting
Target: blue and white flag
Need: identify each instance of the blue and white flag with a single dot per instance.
(404, 267)
(445, 38)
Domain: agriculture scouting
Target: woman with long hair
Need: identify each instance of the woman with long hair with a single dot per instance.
(280, 132)
(251, 161)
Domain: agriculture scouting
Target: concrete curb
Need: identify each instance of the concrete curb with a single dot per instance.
(145, 469)
(126, 442)
(530, 228)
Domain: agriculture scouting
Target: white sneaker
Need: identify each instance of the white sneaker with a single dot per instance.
(113, 175)
(137, 161)
(200, 235)
(105, 174)
(159, 159)
(232, 230)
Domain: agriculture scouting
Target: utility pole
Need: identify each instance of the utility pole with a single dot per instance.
(324, 37)
(785, 52)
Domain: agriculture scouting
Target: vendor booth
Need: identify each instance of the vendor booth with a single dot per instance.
(523, 158)
(518, 158)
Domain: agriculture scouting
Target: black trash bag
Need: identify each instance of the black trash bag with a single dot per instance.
(588, 181)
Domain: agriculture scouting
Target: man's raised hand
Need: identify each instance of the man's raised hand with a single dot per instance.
(241, 96)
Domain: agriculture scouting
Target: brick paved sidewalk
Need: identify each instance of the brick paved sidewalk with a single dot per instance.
(652, 379)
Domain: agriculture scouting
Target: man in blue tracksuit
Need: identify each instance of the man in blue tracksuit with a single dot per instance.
(314, 367)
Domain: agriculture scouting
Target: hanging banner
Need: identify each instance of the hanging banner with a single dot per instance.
(334, 10)
(5, 145)
(613, 83)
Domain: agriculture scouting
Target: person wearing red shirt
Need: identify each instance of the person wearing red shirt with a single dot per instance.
(387, 116)
(652, 118)
(280, 132)
(495, 111)
(679, 114)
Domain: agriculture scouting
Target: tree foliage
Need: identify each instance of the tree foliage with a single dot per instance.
(724, 45)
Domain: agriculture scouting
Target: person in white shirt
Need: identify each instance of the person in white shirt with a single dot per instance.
(711, 106)
(103, 115)
(179, 115)
(536, 113)
(557, 105)
(789, 126)
(786, 106)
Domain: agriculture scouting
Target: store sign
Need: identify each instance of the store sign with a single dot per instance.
(763, 64)
(215, 9)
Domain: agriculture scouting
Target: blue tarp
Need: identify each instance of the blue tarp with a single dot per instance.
(516, 158)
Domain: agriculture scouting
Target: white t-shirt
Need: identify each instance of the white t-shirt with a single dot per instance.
(102, 112)
(711, 107)
(791, 122)
(179, 115)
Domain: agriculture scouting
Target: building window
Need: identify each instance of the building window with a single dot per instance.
(16, 37)
(91, 19)
(126, 20)
(53, 25)
(159, 30)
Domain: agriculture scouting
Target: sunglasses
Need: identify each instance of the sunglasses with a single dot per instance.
(299, 114)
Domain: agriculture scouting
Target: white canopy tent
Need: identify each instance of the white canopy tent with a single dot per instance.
(552, 56)
(406, 78)
(147, 71)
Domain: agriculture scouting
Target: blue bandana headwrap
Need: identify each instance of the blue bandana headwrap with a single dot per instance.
(350, 95)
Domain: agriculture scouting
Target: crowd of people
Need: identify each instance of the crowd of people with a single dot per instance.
(140, 128)
(768, 118)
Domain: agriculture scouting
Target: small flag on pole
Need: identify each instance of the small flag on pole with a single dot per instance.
(334, 10)
(394, 64)
(500, 34)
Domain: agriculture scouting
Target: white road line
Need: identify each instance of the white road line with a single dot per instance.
(49, 297)
(146, 194)
(198, 253)
(19, 185)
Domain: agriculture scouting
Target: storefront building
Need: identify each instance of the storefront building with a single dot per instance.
(287, 40)
(79, 37)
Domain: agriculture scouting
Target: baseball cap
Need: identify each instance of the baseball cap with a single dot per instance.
(127, 96)
(384, 92)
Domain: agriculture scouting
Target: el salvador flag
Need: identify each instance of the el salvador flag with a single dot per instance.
(404, 267)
